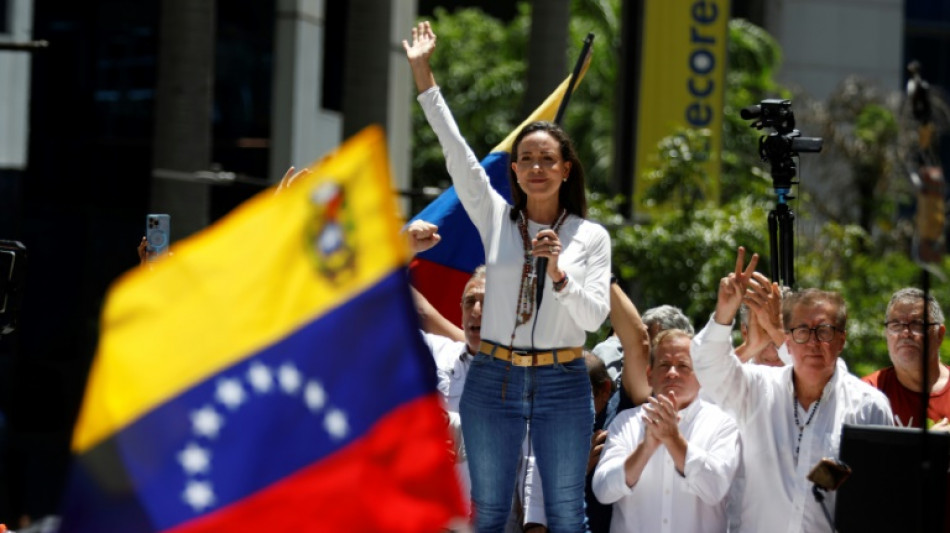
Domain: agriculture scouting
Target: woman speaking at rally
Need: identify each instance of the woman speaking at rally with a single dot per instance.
(530, 366)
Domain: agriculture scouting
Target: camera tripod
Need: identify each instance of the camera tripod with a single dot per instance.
(782, 240)
(778, 148)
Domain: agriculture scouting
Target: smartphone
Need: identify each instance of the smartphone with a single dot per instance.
(158, 232)
(829, 474)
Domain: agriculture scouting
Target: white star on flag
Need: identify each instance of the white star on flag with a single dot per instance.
(260, 378)
(194, 459)
(314, 395)
(199, 495)
(206, 422)
(230, 393)
(335, 423)
(289, 378)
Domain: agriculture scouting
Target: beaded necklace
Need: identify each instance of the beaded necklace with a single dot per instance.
(529, 278)
(529, 284)
(801, 427)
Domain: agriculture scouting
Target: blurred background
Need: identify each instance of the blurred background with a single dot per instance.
(112, 109)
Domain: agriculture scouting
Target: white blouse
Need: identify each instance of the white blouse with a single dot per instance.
(564, 316)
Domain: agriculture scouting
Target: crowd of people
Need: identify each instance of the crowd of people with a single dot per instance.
(658, 428)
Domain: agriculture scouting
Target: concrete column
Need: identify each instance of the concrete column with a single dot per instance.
(184, 100)
(15, 87)
(301, 130)
(401, 99)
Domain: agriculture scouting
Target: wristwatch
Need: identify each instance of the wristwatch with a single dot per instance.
(558, 285)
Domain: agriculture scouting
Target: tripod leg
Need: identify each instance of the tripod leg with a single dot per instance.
(786, 219)
(774, 251)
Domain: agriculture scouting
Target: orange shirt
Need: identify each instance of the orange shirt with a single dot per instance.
(906, 403)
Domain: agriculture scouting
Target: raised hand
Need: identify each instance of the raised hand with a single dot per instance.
(422, 236)
(418, 52)
(423, 43)
(732, 288)
(765, 301)
(290, 176)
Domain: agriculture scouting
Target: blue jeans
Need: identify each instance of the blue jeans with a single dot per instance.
(557, 400)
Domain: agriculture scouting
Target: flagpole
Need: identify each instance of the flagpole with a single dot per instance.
(585, 51)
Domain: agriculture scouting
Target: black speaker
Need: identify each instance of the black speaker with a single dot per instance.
(888, 490)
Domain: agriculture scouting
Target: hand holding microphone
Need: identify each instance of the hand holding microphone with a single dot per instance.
(545, 246)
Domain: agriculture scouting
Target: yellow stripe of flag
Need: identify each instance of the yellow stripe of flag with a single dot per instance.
(243, 284)
(546, 111)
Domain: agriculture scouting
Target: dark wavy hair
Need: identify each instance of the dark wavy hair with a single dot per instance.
(573, 193)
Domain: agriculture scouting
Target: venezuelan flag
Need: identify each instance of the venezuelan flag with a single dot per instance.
(269, 376)
(440, 273)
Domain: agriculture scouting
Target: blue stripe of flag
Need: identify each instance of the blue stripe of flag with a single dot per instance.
(367, 357)
(460, 247)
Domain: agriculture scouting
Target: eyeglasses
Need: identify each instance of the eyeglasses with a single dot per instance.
(895, 327)
(823, 332)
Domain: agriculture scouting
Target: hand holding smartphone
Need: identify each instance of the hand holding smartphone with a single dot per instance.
(157, 234)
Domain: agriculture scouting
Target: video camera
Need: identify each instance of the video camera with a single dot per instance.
(785, 142)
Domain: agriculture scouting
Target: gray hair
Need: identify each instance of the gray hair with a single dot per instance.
(914, 295)
(478, 276)
(812, 298)
(667, 317)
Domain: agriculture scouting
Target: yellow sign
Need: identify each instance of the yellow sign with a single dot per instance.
(682, 79)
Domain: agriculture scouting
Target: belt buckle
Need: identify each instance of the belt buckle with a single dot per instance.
(523, 353)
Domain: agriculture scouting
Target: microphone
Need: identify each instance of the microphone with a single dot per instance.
(541, 269)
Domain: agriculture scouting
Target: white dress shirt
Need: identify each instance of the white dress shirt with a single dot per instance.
(662, 500)
(564, 317)
(777, 495)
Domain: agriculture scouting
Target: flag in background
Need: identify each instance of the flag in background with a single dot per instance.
(441, 272)
(269, 376)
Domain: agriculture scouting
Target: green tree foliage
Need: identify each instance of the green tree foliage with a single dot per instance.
(858, 166)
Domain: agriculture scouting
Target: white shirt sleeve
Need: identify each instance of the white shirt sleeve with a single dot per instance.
(709, 472)
(588, 301)
(610, 481)
(471, 182)
(724, 379)
(784, 355)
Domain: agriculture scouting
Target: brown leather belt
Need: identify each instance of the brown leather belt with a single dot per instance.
(528, 358)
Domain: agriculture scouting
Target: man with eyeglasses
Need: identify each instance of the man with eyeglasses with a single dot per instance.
(789, 417)
(901, 383)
